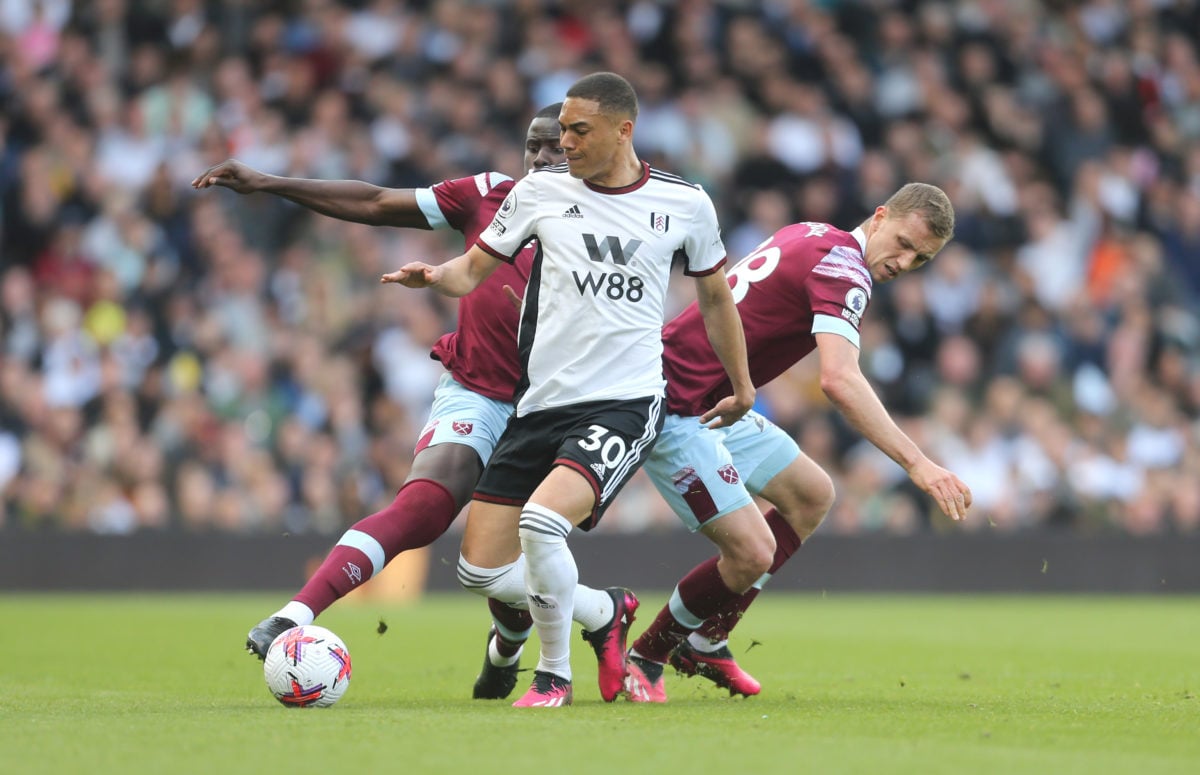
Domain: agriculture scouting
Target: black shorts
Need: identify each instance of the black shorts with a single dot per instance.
(605, 441)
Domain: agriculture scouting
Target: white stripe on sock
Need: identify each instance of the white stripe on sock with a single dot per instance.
(681, 613)
(357, 539)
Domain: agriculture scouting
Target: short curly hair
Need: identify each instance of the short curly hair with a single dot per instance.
(611, 92)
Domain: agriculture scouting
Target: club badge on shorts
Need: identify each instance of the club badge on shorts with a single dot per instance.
(729, 473)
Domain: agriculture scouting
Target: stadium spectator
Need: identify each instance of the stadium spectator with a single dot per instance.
(89, 146)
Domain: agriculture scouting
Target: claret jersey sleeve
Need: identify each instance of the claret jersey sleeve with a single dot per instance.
(481, 353)
(456, 204)
(515, 222)
(839, 292)
(807, 279)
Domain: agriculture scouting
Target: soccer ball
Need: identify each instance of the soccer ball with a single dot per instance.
(307, 666)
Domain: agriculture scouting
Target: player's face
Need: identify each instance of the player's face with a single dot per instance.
(541, 144)
(590, 138)
(898, 245)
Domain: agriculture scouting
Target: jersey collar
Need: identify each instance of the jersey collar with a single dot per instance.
(860, 237)
(634, 186)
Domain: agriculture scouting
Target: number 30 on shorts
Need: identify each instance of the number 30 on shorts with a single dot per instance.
(612, 450)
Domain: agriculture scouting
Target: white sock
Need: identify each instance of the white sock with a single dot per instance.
(550, 580)
(506, 583)
(296, 611)
(703, 644)
(593, 607)
(495, 657)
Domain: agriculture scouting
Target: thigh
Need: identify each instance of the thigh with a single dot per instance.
(465, 418)
(799, 488)
(760, 450)
(454, 466)
(695, 473)
(566, 492)
(741, 533)
(490, 537)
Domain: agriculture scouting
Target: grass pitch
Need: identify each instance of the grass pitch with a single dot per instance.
(158, 684)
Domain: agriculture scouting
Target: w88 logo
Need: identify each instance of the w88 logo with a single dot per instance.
(614, 285)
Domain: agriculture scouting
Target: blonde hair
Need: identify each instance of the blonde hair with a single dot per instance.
(928, 200)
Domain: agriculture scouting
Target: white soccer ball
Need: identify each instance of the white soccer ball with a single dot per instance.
(307, 667)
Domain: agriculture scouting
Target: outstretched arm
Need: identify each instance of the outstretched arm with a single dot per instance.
(457, 277)
(724, 328)
(348, 200)
(844, 384)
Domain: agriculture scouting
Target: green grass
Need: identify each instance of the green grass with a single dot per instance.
(157, 684)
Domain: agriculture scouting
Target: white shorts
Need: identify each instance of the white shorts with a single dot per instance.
(462, 416)
(705, 473)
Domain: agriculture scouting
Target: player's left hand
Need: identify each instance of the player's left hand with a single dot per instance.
(414, 275)
(728, 410)
(512, 296)
(953, 497)
(231, 174)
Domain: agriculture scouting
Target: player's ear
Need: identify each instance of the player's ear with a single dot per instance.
(625, 128)
(878, 217)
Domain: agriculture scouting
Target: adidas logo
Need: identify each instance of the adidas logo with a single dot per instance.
(598, 468)
(572, 212)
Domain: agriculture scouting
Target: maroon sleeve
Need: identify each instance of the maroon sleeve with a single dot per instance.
(459, 198)
(840, 286)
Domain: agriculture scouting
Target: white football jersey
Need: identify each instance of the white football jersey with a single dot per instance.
(592, 316)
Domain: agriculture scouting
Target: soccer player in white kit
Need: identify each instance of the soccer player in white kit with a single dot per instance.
(591, 399)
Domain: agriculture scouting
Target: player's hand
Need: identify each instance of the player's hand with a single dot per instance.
(953, 497)
(231, 174)
(414, 275)
(512, 296)
(728, 410)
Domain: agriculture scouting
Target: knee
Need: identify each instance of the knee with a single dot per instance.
(761, 557)
(823, 495)
(748, 561)
(805, 512)
(820, 501)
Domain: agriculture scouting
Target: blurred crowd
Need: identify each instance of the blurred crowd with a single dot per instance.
(182, 360)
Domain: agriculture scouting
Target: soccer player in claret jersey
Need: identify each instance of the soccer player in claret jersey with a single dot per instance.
(590, 401)
(805, 288)
(475, 394)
